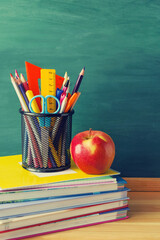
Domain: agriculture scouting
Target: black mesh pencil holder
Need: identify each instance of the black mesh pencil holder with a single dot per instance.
(46, 141)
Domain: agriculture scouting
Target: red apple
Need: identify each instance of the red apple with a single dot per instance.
(93, 151)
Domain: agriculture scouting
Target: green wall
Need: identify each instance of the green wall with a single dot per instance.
(119, 44)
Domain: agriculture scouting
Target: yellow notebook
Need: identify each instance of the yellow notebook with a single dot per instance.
(13, 175)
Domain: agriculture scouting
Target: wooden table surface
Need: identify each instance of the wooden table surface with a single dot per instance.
(143, 223)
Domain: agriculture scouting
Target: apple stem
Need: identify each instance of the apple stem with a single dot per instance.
(90, 132)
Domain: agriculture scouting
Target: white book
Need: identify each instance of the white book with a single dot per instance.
(62, 190)
(19, 222)
(23, 208)
(51, 227)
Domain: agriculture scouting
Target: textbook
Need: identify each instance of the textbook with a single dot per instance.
(73, 188)
(19, 222)
(13, 175)
(9, 210)
(56, 226)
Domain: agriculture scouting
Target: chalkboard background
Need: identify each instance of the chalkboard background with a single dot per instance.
(119, 44)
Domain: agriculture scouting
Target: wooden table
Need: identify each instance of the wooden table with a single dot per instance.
(143, 224)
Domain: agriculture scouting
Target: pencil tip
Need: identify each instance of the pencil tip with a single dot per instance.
(82, 71)
(11, 75)
(16, 74)
(22, 78)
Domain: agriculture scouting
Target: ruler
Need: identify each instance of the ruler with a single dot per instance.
(48, 87)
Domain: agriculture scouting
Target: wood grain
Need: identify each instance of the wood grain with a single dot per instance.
(143, 224)
(143, 184)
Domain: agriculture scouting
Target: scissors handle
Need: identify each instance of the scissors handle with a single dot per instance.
(44, 104)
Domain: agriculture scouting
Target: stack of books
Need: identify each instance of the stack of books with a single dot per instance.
(33, 204)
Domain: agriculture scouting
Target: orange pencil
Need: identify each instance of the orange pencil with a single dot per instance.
(78, 94)
(71, 101)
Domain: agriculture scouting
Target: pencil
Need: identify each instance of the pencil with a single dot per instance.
(79, 80)
(28, 120)
(24, 82)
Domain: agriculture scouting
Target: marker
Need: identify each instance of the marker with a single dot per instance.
(79, 80)
(24, 82)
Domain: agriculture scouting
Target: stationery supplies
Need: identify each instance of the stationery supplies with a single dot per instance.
(33, 105)
(25, 84)
(50, 152)
(45, 138)
(33, 74)
(45, 124)
(48, 87)
(79, 80)
(65, 91)
(28, 123)
(72, 101)
(65, 79)
(47, 199)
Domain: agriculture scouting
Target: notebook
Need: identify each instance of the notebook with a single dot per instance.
(56, 226)
(13, 175)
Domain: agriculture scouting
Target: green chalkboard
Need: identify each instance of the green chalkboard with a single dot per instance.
(119, 44)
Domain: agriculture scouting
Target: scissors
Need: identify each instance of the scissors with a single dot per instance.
(45, 124)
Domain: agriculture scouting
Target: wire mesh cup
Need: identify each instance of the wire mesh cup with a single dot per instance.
(46, 141)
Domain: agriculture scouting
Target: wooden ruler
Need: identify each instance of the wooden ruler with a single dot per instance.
(48, 87)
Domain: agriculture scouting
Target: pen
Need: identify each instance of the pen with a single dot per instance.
(79, 80)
